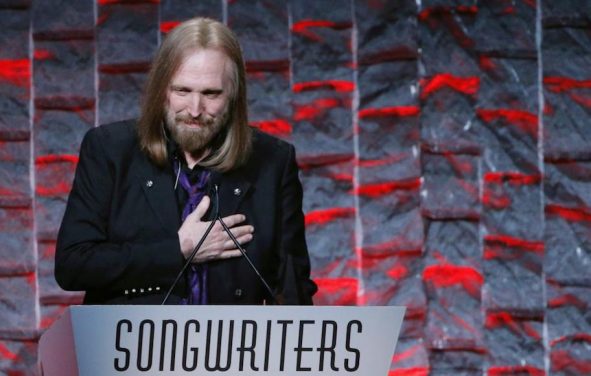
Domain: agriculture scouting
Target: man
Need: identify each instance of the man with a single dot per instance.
(143, 191)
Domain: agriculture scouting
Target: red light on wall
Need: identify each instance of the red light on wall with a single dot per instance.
(336, 85)
(464, 85)
(321, 217)
(17, 72)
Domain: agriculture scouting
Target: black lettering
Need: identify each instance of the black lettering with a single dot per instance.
(218, 366)
(300, 349)
(163, 351)
(243, 348)
(350, 349)
(283, 323)
(267, 345)
(119, 348)
(194, 350)
(140, 344)
(322, 349)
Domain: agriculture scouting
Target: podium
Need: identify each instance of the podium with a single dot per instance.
(221, 340)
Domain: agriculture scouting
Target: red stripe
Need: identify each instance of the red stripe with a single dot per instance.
(59, 189)
(399, 111)
(577, 337)
(339, 291)
(369, 163)
(514, 178)
(517, 325)
(167, 26)
(465, 85)
(581, 214)
(337, 85)
(56, 158)
(447, 275)
(321, 217)
(381, 189)
(278, 127)
(568, 300)
(303, 25)
(565, 363)
(314, 109)
(561, 84)
(522, 119)
(509, 241)
(5, 353)
(412, 371)
(42, 54)
(17, 72)
(406, 354)
(515, 370)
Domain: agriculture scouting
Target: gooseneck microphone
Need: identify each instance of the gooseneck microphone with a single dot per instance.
(217, 217)
(195, 250)
(248, 259)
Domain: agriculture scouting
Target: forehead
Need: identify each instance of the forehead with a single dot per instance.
(204, 67)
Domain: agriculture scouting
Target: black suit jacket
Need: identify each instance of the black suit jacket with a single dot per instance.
(118, 239)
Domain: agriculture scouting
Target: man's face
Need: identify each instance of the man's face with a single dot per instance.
(198, 97)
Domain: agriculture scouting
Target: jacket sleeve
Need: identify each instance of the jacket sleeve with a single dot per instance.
(295, 285)
(86, 257)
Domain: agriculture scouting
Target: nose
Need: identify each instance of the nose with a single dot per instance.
(195, 105)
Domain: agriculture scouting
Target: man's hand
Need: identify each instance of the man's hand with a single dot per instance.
(218, 244)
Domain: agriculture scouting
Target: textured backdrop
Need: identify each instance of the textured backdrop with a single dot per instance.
(445, 150)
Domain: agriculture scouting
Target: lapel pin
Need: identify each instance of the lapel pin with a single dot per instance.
(149, 183)
(237, 191)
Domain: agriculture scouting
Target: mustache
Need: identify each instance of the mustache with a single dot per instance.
(186, 118)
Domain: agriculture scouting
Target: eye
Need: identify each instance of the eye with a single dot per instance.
(178, 90)
(212, 94)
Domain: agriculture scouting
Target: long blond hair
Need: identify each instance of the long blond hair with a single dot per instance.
(234, 143)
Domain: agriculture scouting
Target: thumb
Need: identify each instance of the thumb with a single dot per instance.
(201, 208)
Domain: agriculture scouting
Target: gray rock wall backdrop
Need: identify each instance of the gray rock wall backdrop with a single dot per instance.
(445, 148)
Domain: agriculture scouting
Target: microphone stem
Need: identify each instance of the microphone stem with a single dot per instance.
(252, 266)
(188, 262)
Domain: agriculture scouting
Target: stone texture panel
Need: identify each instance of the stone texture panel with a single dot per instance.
(512, 205)
(15, 179)
(62, 19)
(450, 188)
(445, 37)
(508, 83)
(64, 73)
(514, 340)
(506, 28)
(16, 241)
(513, 272)
(126, 33)
(18, 299)
(269, 103)
(180, 10)
(386, 31)
(568, 245)
(15, 74)
(18, 358)
(263, 30)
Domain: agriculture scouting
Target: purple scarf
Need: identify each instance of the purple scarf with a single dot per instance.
(197, 273)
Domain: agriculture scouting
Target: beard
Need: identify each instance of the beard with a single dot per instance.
(193, 135)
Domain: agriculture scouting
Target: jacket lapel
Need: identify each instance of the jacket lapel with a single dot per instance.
(232, 189)
(158, 186)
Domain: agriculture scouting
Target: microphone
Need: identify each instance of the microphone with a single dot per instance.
(218, 217)
(190, 258)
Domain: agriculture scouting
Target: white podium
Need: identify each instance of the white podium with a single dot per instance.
(221, 340)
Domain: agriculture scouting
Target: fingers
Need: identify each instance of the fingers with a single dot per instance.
(233, 220)
(242, 239)
(230, 254)
(201, 208)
